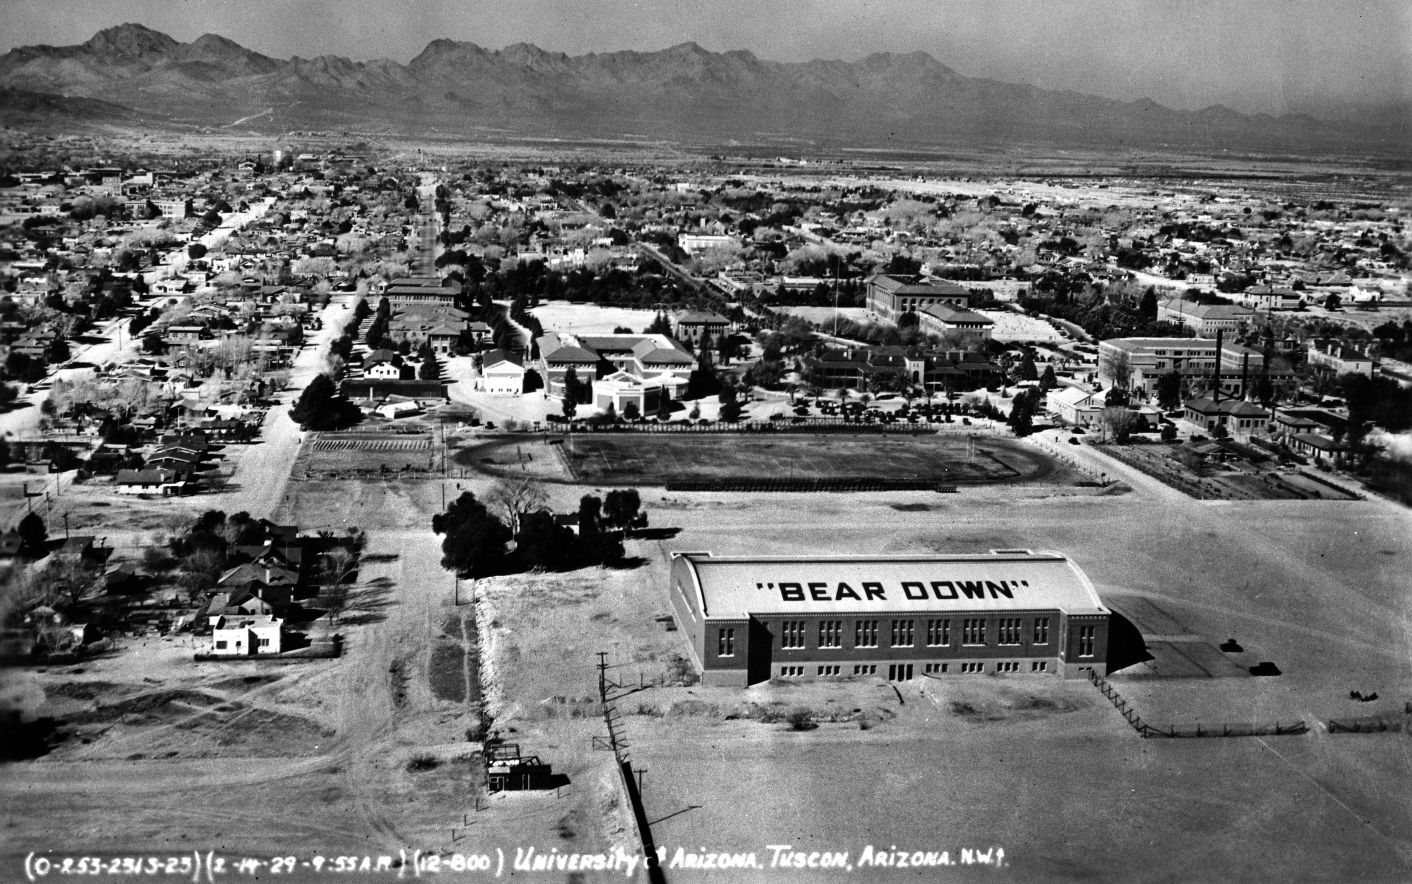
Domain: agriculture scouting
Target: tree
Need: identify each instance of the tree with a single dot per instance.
(725, 348)
(1120, 421)
(590, 512)
(631, 412)
(1332, 302)
(730, 410)
(430, 369)
(1219, 431)
(570, 407)
(664, 407)
(1147, 306)
(196, 251)
(199, 572)
(339, 564)
(1115, 365)
(621, 507)
(540, 543)
(573, 387)
(320, 407)
(474, 544)
(33, 534)
(1169, 390)
(512, 497)
(1048, 380)
(1022, 412)
(1026, 370)
(1169, 432)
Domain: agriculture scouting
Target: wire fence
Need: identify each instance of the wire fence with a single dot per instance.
(1147, 730)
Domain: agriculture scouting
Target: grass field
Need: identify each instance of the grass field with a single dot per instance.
(644, 459)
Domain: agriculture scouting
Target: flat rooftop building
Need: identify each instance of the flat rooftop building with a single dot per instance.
(748, 619)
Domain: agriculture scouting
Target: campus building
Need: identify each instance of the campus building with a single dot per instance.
(890, 296)
(1137, 364)
(748, 619)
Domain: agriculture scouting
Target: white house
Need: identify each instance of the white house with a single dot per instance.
(242, 636)
(502, 374)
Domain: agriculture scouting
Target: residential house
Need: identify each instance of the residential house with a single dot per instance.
(241, 635)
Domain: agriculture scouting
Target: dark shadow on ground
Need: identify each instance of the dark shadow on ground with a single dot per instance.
(654, 534)
(1126, 646)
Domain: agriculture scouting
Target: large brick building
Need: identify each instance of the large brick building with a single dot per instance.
(749, 619)
(891, 296)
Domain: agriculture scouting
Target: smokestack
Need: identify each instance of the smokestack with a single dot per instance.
(1244, 375)
(1216, 380)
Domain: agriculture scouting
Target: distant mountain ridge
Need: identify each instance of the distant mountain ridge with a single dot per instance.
(683, 92)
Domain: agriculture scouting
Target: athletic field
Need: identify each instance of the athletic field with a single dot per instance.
(652, 459)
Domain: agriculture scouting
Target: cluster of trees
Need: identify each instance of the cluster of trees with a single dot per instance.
(377, 330)
(1022, 411)
(203, 551)
(322, 407)
(478, 534)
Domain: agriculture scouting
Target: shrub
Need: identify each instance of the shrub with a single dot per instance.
(423, 762)
(801, 719)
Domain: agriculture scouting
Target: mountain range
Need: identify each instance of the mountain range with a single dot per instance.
(135, 75)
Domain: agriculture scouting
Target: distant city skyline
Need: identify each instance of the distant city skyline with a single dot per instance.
(1264, 56)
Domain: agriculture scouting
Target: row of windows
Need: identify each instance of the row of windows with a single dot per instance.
(903, 632)
(865, 634)
(834, 670)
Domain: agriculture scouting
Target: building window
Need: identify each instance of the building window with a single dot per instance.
(902, 633)
(1041, 630)
(1086, 641)
(1008, 666)
(830, 633)
(934, 668)
(973, 631)
(791, 671)
(938, 633)
(1009, 630)
(865, 634)
(264, 643)
(221, 645)
(829, 670)
(865, 669)
(1039, 666)
(725, 645)
(973, 668)
(792, 634)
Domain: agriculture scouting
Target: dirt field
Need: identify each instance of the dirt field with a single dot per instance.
(653, 459)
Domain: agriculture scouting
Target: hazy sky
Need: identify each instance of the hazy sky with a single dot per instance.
(1253, 55)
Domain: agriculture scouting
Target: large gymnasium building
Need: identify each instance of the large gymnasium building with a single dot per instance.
(749, 619)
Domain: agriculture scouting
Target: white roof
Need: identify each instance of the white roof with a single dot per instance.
(734, 587)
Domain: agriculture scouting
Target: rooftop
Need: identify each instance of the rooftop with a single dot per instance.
(734, 587)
